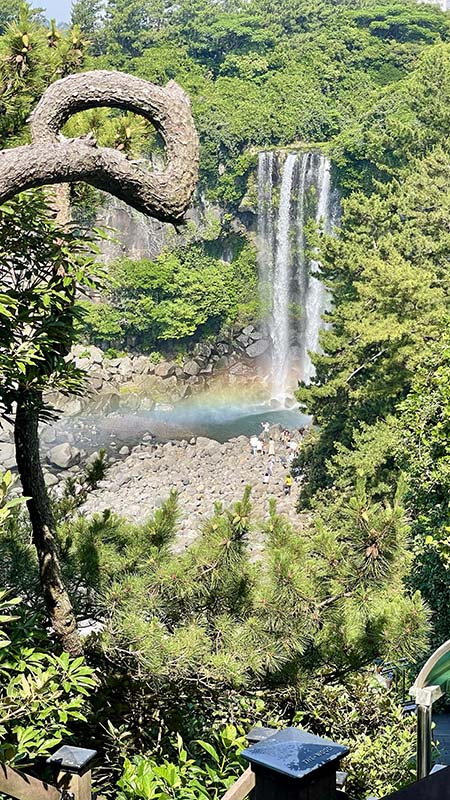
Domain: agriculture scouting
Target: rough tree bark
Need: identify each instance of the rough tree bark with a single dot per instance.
(57, 601)
(51, 159)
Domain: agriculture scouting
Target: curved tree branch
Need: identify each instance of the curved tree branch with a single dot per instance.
(52, 159)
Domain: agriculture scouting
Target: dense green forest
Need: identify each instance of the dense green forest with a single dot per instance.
(197, 648)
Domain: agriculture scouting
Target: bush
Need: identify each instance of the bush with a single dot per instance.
(369, 720)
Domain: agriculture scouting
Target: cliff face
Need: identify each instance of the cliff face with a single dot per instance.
(136, 236)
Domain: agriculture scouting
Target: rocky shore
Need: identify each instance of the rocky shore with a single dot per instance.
(139, 382)
(203, 471)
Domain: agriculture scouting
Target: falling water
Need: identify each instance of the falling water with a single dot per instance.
(281, 287)
(265, 228)
(292, 296)
(316, 297)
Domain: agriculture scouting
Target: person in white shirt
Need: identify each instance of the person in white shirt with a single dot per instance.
(254, 444)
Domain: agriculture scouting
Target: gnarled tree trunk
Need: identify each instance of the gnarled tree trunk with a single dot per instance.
(56, 598)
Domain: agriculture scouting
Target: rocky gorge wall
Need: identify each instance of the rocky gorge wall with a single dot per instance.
(137, 381)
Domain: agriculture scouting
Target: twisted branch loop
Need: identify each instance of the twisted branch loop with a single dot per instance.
(52, 159)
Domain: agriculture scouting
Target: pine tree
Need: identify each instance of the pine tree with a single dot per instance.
(86, 16)
(329, 598)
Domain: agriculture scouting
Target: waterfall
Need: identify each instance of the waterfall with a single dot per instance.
(281, 286)
(265, 228)
(292, 297)
(315, 301)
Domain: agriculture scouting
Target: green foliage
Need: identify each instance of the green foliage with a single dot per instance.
(405, 121)
(213, 614)
(41, 695)
(146, 778)
(41, 268)
(368, 720)
(31, 58)
(180, 294)
(6, 505)
(381, 394)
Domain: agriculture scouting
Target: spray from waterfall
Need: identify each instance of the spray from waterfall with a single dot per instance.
(291, 192)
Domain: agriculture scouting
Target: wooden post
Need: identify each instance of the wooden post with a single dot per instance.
(25, 787)
(78, 786)
(74, 774)
(242, 788)
(294, 765)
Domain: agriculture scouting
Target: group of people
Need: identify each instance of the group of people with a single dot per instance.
(287, 446)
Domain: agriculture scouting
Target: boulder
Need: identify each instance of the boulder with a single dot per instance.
(83, 363)
(147, 403)
(131, 402)
(96, 382)
(165, 369)
(170, 384)
(203, 443)
(248, 330)
(257, 348)
(203, 349)
(142, 365)
(207, 369)
(7, 455)
(222, 348)
(50, 480)
(107, 402)
(63, 455)
(93, 457)
(221, 363)
(238, 369)
(6, 431)
(48, 435)
(96, 355)
(191, 368)
(73, 407)
(126, 367)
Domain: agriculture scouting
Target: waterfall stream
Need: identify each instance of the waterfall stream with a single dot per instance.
(292, 191)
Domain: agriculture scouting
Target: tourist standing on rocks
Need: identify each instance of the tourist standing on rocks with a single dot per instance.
(254, 444)
(270, 465)
(266, 478)
(260, 447)
(271, 447)
(292, 445)
(288, 484)
(265, 428)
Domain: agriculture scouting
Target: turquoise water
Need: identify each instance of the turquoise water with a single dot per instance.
(225, 421)
(217, 418)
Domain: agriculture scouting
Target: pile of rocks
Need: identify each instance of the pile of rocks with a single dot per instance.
(135, 382)
(203, 471)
